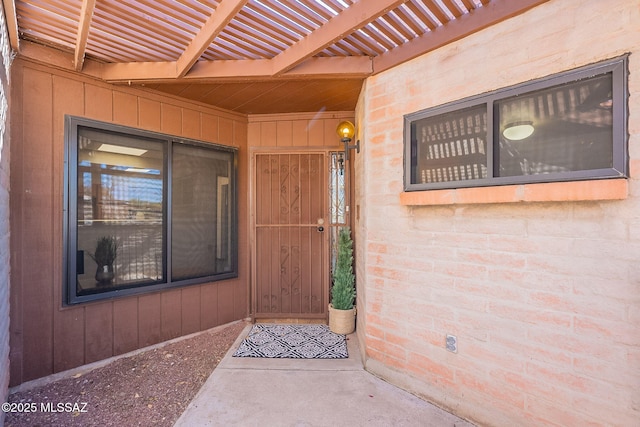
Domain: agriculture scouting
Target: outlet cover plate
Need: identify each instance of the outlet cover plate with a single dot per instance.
(452, 343)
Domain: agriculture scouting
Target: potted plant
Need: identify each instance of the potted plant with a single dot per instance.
(104, 256)
(342, 313)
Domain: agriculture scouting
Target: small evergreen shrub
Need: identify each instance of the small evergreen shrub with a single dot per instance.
(343, 291)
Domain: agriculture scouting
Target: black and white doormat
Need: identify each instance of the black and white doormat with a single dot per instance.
(293, 342)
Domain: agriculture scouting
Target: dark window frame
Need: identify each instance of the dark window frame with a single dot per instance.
(70, 227)
(618, 67)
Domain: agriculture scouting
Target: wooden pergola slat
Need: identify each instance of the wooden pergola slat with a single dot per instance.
(377, 36)
(116, 18)
(453, 8)
(409, 21)
(399, 25)
(351, 19)
(223, 14)
(382, 26)
(437, 12)
(469, 5)
(252, 18)
(12, 23)
(422, 15)
(86, 13)
(470, 23)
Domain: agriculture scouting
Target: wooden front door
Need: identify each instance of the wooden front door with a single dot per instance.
(291, 265)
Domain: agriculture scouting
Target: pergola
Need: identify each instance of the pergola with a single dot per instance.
(248, 56)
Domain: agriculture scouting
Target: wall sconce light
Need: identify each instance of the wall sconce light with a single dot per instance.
(517, 131)
(346, 131)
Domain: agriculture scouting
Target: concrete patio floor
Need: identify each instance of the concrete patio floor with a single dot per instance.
(310, 392)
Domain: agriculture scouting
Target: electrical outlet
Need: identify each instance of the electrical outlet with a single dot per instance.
(452, 343)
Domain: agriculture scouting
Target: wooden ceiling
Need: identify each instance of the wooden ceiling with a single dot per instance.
(249, 56)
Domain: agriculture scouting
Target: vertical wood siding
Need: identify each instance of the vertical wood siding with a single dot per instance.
(296, 131)
(45, 336)
(4, 210)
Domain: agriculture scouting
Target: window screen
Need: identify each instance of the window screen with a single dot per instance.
(569, 126)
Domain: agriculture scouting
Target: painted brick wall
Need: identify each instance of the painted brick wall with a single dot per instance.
(4, 212)
(544, 297)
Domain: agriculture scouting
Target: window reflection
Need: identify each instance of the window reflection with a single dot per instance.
(120, 192)
(572, 129)
(201, 212)
(337, 198)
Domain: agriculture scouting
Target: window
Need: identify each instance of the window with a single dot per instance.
(145, 211)
(569, 126)
(338, 208)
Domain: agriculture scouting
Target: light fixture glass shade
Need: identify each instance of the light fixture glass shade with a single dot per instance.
(120, 149)
(518, 130)
(346, 130)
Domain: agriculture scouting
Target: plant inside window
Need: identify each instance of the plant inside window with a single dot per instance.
(569, 126)
(104, 257)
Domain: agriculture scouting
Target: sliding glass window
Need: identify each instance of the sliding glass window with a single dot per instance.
(569, 126)
(145, 211)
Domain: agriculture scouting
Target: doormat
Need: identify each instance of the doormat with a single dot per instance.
(293, 342)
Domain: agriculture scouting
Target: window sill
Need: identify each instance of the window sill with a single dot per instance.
(606, 189)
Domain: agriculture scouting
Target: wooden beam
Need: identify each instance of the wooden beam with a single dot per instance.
(46, 55)
(332, 67)
(260, 70)
(86, 13)
(203, 71)
(57, 59)
(220, 17)
(478, 19)
(351, 19)
(12, 23)
(138, 71)
(235, 70)
(240, 70)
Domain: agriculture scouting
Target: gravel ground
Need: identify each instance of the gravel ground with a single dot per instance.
(153, 387)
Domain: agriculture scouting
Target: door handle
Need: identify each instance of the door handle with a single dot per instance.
(320, 223)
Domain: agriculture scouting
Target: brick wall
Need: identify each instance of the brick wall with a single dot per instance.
(543, 296)
(4, 212)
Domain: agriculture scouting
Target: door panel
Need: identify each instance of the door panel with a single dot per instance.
(291, 253)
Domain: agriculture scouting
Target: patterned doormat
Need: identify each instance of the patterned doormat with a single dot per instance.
(293, 342)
